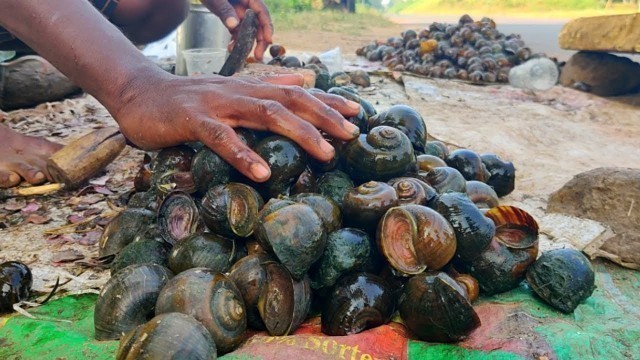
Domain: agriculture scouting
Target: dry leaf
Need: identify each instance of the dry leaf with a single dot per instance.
(60, 239)
(15, 205)
(90, 238)
(74, 219)
(36, 218)
(68, 255)
(102, 190)
(31, 207)
(91, 199)
(91, 212)
(101, 181)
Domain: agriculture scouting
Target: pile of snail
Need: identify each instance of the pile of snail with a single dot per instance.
(393, 223)
(469, 50)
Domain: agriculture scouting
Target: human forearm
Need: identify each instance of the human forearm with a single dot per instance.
(81, 43)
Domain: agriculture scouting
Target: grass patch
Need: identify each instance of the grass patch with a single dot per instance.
(331, 21)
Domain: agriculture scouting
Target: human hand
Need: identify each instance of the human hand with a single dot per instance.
(232, 11)
(173, 110)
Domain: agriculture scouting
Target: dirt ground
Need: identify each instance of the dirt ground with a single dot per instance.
(549, 136)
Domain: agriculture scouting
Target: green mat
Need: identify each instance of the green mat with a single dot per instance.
(515, 325)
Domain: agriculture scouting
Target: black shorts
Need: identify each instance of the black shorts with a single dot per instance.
(106, 7)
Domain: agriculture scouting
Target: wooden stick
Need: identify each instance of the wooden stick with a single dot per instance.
(29, 191)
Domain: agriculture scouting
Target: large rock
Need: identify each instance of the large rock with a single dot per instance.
(612, 197)
(616, 33)
(601, 74)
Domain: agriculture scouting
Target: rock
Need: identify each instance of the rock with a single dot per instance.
(617, 33)
(612, 197)
(602, 74)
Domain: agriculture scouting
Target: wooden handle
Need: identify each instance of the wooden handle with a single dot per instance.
(84, 158)
(28, 191)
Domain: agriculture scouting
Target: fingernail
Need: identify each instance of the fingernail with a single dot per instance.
(354, 105)
(231, 22)
(260, 171)
(326, 147)
(354, 130)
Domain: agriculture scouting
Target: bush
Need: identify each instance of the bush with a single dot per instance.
(288, 5)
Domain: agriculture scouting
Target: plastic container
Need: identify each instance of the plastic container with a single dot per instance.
(332, 60)
(535, 74)
(207, 61)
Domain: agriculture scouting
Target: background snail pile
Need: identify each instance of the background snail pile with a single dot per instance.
(469, 50)
(393, 223)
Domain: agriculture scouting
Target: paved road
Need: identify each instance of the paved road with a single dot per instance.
(540, 35)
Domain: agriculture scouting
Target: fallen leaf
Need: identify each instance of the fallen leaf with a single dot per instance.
(31, 207)
(60, 239)
(15, 205)
(91, 212)
(36, 218)
(75, 200)
(102, 190)
(91, 199)
(103, 221)
(101, 181)
(74, 219)
(90, 238)
(65, 256)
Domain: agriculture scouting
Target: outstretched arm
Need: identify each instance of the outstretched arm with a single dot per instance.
(155, 109)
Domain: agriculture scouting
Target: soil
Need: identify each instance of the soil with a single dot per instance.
(549, 136)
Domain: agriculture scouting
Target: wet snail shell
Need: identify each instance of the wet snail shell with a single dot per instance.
(175, 181)
(469, 164)
(357, 302)
(172, 159)
(405, 119)
(122, 229)
(144, 200)
(306, 183)
(334, 185)
(563, 278)
(446, 179)
(231, 209)
(381, 155)
(473, 230)
(364, 205)
(212, 299)
(250, 277)
(347, 250)
(209, 170)
(178, 217)
(502, 174)
(205, 250)
(435, 308)
(482, 194)
(413, 191)
(286, 160)
(327, 209)
(15, 284)
(293, 232)
(144, 251)
(168, 336)
(414, 238)
(429, 162)
(128, 299)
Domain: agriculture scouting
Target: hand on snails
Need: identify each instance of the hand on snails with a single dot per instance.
(166, 110)
(232, 11)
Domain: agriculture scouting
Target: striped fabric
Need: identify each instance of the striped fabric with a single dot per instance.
(106, 7)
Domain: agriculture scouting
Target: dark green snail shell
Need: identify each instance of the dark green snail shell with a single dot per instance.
(347, 250)
(405, 119)
(144, 251)
(363, 206)
(380, 155)
(446, 179)
(168, 336)
(469, 164)
(231, 209)
(435, 308)
(358, 302)
(202, 250)
(250, 277)
(563, 278)
(327, 209)
(209, 170)
(503, 174)
(474, 231)
(334, 185)
(172, 159)
(144, 200)
(178, 217)
(15, 284)
(436, 148)
(122, 229)
(286, 160)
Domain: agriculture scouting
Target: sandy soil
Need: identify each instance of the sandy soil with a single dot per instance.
(549, 136)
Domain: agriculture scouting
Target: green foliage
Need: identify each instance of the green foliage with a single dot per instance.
(411, 6)
(282, 6)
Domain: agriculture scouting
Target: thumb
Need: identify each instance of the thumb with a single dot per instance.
(226, 13)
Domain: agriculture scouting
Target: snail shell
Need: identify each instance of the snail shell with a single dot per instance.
(414, 238)
(128, 299)
(357, 302)
(231, 210)
(178, 217)
(250, 277)
(143, 251)
(380, 155)
(15, 284)
(347, 250)
(429, 162)
(413, 191)
(144, 200)
(209, 170)
(446, 179)
(473, 230)
(286, 160)
(168, 336)
(563, 278)
(293, 232)
(205, 250)
(306, 183)
(405, 119)
(212, 299)
(364, 205)
(334, 185)
(435, 308)
(327, 209)
(122, 229)
(502, 174)
(469, 164)
(482, 194)
(436, 148)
